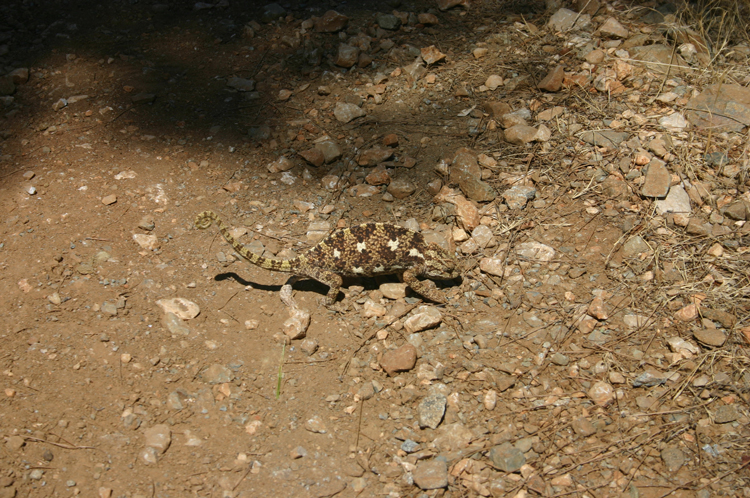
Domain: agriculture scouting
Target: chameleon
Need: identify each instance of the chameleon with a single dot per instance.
(363, 250)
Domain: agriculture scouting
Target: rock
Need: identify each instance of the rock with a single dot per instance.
(148, 242)
(272, 12)
(635, 246)
(393, 290)
(507, 457)
(346, 112)
(613, 29)
(374, 156)
(493, 266)
(725, 414)
(401, 188)
(535, 251)
(180, 306)
(520, 134)
(401, 359)
(330, 149)
(566, 20)
(553, 81)
(677, 201)
(583, 427)
(517, 196)
(147, 223)
(424, 318)
(490, 399)
(279, 165)
(431, 410)
(720, 107)
(371, 309)
(7, 87)
(431, 474)
(559, 359)
(109, 199)
(241, 84)
(687, 313)
(497, 109)
(710, 336)
(347, 56)
(738, 210)
(493, 82)
(294, 327)
(605, 138)
(331, 22)
(427, 19)
(388, 21)
(448, 4)
(14, 443)
(216, 374)
(432, 55)
(313, 156)
(673, 459)
(19, 75)
(658, 59)
(158, 437)
(601, 393)
(174, 324)
(315, 424)
(673, 122)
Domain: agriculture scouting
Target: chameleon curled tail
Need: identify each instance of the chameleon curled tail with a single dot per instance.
(206, 218)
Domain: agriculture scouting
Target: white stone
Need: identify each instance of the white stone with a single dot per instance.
(179, 306)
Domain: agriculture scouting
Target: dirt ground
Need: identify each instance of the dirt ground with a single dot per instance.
(103, 397)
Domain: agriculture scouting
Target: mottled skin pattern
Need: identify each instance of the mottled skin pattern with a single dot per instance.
(363, 250)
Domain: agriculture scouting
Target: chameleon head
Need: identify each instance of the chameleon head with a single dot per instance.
(440, 264)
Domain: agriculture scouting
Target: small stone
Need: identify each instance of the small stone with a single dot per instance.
(517, 196)
(149, 455)
(424, 318)
(158, 437)
(279, 165)
(673, 459)
(110, 199)
(431, 410)
(180, 306)
(431, 474)
(490, 399)
(677, 201)
(674, 122)
(216, 374)
(725, 414)
(583, 427)
(401, 359)
(298, 452)
(147, 223)
(174, 324)
(54, 298)
(401, 188)
(553, 81)
(657, 181)
(613, 29)
(535, 251)
(374, 156)
(331, 22)
(710, 336)
(687, 313)
(347, 56)
(598, 309)
(560, 359)
(507, 457)
(493, 82)
(635, 246)
(148, 242)
(309, 346)
(315, 424)
(520, 134)
(493, 266)
(393, 290)
(36, 474)
(346, 112)
(601, 393)
(427, 19)
(372, 309)
(14, 443)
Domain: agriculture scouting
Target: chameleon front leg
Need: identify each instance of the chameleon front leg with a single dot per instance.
(331, 279)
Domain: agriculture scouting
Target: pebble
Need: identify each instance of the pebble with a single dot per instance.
(507, 457)
(566, 19)
(401, 359)
(309, 346)
(109, 199)
(331, 22)
(535, 251)
(393, 290)
(183, 308)
(431, 474)
(725, 414)
(216, 374)
(520, 134)
(601, 393)
(657, 181)
(613, 29)
(710, 336)
(425, 317)
(490, 399)
(583, 427)
(174, 324)
(148, 242)
(634, 247)
(14, 443)
(158, 437)
(36, 474)
(345, 113)
(401, 188)
(677, 201)
(673, 458)
(431, 410)
(431, 54)
(279, 165)
(315, 424)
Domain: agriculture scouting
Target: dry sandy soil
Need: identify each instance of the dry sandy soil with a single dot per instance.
(538, 402)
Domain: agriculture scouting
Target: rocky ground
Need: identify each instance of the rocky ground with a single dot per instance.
(587, 163)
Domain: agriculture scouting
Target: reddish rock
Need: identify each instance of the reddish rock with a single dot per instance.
(520, 134)
(313, 156)
(427, 19)
(553, 81)
(347, 55)
(378, 176)
(401, 189)
(331, 22)
(374, 156)
(399, 360)
(390, 140)
(497, 109)
(431, 54)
